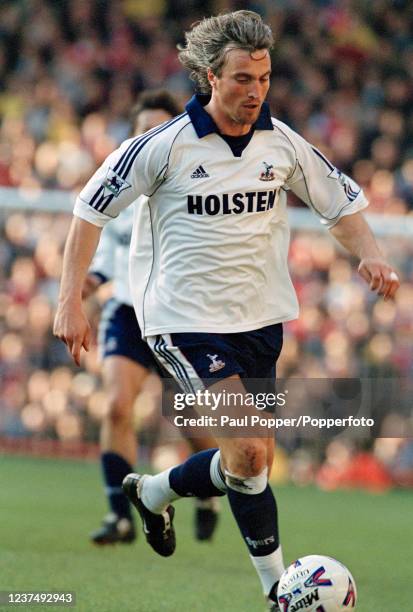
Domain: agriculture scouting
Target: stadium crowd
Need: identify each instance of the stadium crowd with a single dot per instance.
(69, 75)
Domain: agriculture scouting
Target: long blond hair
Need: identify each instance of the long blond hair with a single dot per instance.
(207, 43)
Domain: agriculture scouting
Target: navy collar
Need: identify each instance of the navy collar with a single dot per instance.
(204, 124)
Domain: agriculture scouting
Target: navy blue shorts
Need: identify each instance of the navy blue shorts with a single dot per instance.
(119, 334)
(197, 360)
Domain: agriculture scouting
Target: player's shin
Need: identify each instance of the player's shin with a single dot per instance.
(115, 468)
(255, 510)
(198, 476)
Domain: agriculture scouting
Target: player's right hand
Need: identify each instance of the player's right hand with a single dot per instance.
(72, 327)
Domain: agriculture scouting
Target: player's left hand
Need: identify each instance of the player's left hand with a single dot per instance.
(380, 276)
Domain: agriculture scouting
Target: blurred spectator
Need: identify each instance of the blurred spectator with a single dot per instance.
(347, 468)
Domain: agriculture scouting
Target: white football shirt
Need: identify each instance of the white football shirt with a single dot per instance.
(111, 260)
(210, 243)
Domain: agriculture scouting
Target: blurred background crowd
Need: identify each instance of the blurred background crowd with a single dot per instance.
(70, 72)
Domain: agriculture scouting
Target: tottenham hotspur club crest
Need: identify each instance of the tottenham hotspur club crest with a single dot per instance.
(114, 184)
(216, 364)
(268, 175)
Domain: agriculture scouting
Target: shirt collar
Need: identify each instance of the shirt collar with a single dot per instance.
(204, 124)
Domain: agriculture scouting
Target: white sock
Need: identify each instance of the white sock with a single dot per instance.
(269, 568)
(156, 492)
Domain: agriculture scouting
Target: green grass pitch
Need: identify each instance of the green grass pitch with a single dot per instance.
(47, 509)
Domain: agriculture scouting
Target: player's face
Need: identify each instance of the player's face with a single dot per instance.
(241, 88)
(148, 119)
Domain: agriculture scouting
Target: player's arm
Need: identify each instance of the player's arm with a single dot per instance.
(135, 168)
(338, 200)
(354, 234)
(71, 324)
(101, 269)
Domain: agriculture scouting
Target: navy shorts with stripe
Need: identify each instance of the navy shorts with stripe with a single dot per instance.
(120, 334)
(197, 360)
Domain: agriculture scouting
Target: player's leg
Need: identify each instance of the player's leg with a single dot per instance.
(266, 343)
(206, 508)
(123, 380)
(241, 468)
(246, 461)
(152, 495)
(125, 367)
(157, 514)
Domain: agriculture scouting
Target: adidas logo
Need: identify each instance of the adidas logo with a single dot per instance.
(200, 173)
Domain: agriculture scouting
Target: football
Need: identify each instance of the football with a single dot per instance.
(316, 584)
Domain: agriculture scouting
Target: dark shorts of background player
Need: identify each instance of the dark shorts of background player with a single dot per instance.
(198, 360)
(120, 334)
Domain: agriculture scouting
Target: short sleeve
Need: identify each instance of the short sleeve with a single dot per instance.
(134, 169)
(330, 193)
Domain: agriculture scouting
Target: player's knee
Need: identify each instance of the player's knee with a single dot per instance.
(120, 409)
(249, 458)
(249, 485)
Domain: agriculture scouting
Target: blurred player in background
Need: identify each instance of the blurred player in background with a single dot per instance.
(127, 359)
(217, 282)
